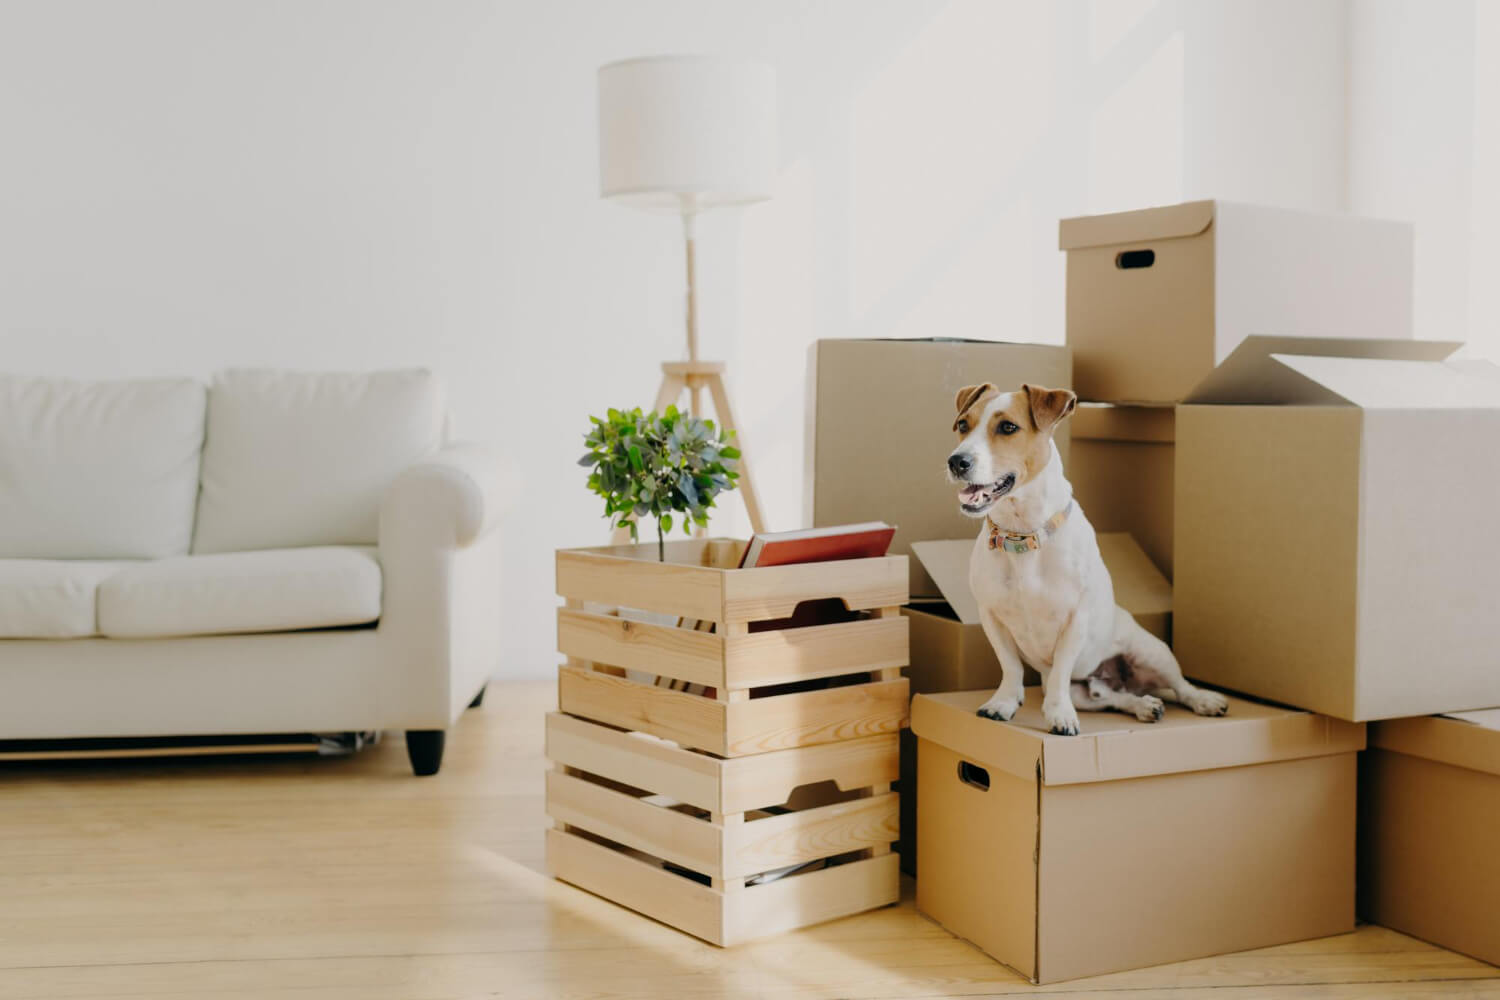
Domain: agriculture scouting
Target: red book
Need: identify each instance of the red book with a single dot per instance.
(845, 541)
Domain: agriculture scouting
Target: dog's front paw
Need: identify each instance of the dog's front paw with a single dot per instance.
(1061, 720)
(1000, 709)
(1206, 702)
(1149, 709)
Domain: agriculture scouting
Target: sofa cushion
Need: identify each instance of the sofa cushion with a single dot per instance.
(276, 590)
(294, 458)
(50, 598)
(98, 470)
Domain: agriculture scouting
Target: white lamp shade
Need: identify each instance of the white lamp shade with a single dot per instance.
(686, 133)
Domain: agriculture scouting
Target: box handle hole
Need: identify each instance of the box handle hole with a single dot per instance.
(974, 775)
(1130, 259)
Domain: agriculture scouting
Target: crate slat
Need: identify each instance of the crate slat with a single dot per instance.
(775, 591)
(825, 831)
(837, 713)
(639, 885)
(717, 917)
(671, 588)
(682, 653)
(689, 719)
(634, 760)
(769, 779)
(692, 843)
(812, 898)
(783, 656)
(732, 729)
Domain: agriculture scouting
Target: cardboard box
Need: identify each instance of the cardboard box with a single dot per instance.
(1429, 806)
(949, 650)
(1120, 466)
(1161, 842)
(1337, 546)
(880, 428)
(1156, 298)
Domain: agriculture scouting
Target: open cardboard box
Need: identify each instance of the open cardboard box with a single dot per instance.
(1337, 540)
(949, 651)
(1157, 297)
(1133, 843)
(880, 419)
(1429, 809)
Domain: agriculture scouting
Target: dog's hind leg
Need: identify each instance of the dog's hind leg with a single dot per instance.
(1154, 668)
(1096, 695)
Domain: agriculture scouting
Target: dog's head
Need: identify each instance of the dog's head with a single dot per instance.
(1004, 440)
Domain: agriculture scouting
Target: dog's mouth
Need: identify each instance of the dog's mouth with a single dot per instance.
(976, 498)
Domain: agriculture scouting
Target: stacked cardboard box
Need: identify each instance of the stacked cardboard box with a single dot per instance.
(1333, 544)
(1322, 490)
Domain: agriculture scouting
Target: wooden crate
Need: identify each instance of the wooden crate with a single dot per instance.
(607, 653)
(674, 833)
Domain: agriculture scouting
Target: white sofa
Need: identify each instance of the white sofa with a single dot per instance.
(277, 552)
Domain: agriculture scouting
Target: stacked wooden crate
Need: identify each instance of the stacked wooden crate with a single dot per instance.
(692, 768)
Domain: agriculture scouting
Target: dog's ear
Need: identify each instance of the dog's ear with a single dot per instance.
(969, 395)
(1048, 406)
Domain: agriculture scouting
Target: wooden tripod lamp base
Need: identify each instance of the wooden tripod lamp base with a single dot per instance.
(695, 376)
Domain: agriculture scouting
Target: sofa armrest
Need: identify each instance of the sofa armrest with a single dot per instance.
(440, 578)
(451, 499)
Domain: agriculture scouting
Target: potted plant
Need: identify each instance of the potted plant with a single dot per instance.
(658, 465)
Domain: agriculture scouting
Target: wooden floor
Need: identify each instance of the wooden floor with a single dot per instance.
(349, 878)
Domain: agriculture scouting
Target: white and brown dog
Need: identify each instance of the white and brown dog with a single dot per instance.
(1045, 596)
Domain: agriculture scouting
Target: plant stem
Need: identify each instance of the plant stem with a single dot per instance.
(661, 543)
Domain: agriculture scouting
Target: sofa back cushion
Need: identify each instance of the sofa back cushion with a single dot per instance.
(299, 458)
(98, 470)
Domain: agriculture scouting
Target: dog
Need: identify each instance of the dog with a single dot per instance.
(1044, 594)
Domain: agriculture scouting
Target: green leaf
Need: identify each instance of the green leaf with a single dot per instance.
(666, 523)
(635, 458)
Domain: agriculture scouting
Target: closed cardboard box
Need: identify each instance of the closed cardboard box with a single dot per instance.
(1337, 546)
(1156, 298)
(1120, 465)
(950, 652)
(1429, 809)
(880, 425)
(1133, 844)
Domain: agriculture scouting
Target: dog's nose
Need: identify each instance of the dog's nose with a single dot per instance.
(959, 465)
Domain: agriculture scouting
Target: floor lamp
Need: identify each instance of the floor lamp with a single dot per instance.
(681, 135)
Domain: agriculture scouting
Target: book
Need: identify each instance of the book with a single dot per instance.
(868, 540)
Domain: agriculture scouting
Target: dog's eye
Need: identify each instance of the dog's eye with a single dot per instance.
(963, 427)
(1007, 428)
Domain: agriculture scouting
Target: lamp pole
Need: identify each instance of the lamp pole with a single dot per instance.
(690, 245)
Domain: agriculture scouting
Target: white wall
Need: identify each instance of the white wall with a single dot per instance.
(186, 186)
(1424, 142)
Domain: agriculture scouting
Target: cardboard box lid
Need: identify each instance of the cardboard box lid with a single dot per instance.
(1140, 226)
(1463, 739)
(1109, 422)
(1112, 746)
(1140, 587)
(1322, 371)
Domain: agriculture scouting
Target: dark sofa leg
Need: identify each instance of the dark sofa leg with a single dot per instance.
(479, 698)
(424, 748)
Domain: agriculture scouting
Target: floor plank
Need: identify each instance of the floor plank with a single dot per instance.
(344, 878)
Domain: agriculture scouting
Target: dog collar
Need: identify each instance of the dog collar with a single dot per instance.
(1026, 541)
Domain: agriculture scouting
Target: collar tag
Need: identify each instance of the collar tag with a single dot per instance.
(1022, 541)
